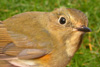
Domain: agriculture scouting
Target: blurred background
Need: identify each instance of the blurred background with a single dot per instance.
(89, 53)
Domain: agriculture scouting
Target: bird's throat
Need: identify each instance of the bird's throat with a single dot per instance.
(73, 43)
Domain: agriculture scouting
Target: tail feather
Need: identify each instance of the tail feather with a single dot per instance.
(4, 37)
(6, 57)
(5, 64)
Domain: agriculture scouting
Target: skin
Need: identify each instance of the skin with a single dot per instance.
(37, 39)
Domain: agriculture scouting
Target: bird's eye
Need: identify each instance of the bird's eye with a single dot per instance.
(62, 20)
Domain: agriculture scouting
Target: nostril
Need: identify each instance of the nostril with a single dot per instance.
(80, 26)
(83, 26)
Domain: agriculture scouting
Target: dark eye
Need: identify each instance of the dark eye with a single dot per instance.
(62, 20)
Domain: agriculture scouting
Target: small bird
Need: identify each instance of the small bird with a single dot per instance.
(42, 39)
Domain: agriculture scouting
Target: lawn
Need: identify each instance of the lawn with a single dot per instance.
(86, 56)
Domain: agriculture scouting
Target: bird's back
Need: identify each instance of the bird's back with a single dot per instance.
(27, 26)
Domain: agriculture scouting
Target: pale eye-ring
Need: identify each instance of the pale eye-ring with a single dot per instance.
(62, 20)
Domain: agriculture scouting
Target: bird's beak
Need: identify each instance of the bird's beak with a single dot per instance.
(83, 29)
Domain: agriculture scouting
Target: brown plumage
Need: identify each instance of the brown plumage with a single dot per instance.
(42, 39)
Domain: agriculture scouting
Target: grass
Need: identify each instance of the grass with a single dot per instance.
(84, 57)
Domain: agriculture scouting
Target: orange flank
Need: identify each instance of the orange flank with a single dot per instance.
(46, 58)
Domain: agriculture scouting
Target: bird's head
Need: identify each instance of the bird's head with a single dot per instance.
(64, 22)
(67, 25)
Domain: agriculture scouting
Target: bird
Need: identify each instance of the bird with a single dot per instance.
(42, 39)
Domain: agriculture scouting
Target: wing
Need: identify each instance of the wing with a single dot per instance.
(13, 52)
(22, 40)
(20, 47)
